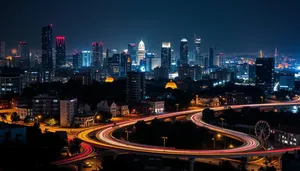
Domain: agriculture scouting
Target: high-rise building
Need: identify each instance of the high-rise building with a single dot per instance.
(97, 54)
(2, 49)
(198, 58)
(184, 51)
(149, 58)
(76, 60)
(287, 81)
(23, 52)
(276, 57)
(86, 58)
(132, 51)
(128, 65)
(211, 57)
(123, 62)
(166, 55)
(47, 58)
(135, 87)
(68, 109)
(60, 51)
(10, 83)
(113, 66)
(141, 52)
(265, 74)
(190, 72)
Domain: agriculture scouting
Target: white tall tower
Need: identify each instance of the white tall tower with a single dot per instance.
(141, 52)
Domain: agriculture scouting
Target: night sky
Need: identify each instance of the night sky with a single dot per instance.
(228, 25)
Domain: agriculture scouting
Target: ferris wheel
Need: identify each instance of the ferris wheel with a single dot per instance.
(262, 130)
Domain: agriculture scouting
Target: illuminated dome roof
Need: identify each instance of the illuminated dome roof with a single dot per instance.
(141, 45)
(171, 85)
(109, 79)
(183, 40)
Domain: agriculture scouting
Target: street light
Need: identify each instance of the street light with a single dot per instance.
(39, 118)
(127, 134)
(262, 99)
(231, 146)
(219, 136)
(222, 119)
(177, 106)
(164, 140)
(214, 142)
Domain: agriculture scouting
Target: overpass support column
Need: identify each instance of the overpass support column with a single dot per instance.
(191, 164)
(79, 166)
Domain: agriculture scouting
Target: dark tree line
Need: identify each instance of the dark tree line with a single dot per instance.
(181, 135)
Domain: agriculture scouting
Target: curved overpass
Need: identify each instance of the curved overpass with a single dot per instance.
(105, 138)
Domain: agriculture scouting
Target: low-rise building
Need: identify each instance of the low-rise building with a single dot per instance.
(10, 83)
(156, 106)
(288, 136)
(68, 109)
(205, 101)
(12, 133)
(122, 109)
(108, 106)
(24, 111)
(235, 98)
(46, 105)
(84, 120)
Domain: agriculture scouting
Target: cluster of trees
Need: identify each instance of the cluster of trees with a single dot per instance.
(250, 116)
(38, 150)
(75, 146)
(90, 94)
(181, 135)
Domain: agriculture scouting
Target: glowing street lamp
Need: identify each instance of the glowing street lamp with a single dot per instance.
(164, 140)
(231, 146)
(214, 141)
(222, 119)
(219, 136)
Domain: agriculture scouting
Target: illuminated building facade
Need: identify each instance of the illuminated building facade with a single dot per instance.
(198, 58)
(141, 52)
(184, 51)
(68, 109)
(47, 38)
(10, 83)
(166, 55)
(86, 58)
(60, 51)
(132, 51)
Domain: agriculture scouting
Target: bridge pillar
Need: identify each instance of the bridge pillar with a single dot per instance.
(79, 166)
(191, 164)
(173, 119)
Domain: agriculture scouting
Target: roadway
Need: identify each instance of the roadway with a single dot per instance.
(249, 148)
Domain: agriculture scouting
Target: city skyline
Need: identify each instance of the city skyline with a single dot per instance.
(258, 25)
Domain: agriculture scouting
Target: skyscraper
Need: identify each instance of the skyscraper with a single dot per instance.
(47, 59)
(265, 74)
(60, 51)
(132, 51)
(184, 51)
(23, 51)
(135, 87)
(166, 55)
(86, 58)
(198, 58)
(141, 52)
(97, 54)
(2, 49)
(211, 57)
(76, 60)
(123, 62)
